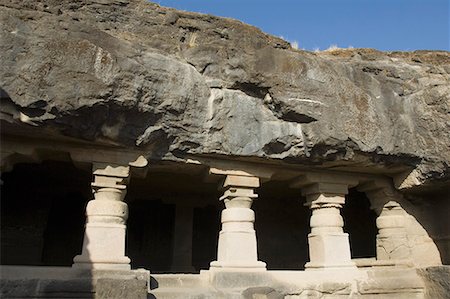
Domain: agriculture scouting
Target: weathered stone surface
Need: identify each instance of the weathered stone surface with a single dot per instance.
(131, 73)
(437, 281)
(62, 282)
(262, 292)
(130, 289)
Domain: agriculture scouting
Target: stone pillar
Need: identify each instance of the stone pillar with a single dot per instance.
(392, 239)
(104, 238)
(182, 239)
(329, 246)
(401, 238)
(237, 247)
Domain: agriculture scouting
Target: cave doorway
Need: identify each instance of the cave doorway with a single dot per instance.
(360, 224)
(42, 213)
(282, 226)
(174, 220)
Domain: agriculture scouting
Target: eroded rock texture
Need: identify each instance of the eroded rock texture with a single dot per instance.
(135, 74)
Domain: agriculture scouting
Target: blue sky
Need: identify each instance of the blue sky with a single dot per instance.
(318, 24)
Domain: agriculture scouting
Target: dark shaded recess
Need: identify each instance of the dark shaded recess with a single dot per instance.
(205, 236)
(275, 147)
(87, 122)
(65, 227)
(297, 117)
(42, 213)
(251, 89)
(4, 94)
(151, 222)
(373, 70)
(360, 224)
(378, 156)
(35, 109)
(282, 226)
(287, 113)
(150, 235)
(324, 152)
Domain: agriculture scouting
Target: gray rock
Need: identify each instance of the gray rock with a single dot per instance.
(66, 282)
(125, 289)
(437, 281)
(172, 83)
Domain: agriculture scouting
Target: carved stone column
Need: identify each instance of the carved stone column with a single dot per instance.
(329, 246)
(237, 247)
(392, 238)
(104, 238)
(401, 238)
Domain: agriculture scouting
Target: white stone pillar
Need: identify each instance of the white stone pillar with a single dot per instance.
(401, 238)
(329, 246)
(392, 238)
(237, 247)
(104, 238)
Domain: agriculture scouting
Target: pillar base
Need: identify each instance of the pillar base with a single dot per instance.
(330, 250)
(84, 262)
(320, 266)
(238, 266)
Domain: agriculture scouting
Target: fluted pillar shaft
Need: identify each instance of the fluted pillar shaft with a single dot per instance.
(106, 215)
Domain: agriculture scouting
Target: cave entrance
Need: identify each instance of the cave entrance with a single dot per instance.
(360, 224)
(174, 221)
(42, 213)
(282, 226)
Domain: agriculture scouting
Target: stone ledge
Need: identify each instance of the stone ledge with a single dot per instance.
(65, 282)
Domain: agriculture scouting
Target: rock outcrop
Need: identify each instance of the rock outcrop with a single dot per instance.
(134, 74)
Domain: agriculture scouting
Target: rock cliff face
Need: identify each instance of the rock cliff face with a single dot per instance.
(135, 74)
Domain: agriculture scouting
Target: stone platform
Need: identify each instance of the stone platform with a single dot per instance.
(374, 282)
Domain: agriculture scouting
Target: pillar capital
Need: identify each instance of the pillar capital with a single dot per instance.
(325, 188)
(380, 192)
(325, 194)
(320, 200)
(239, 190)
(325, 181)
(110, 176)
(241, 181)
